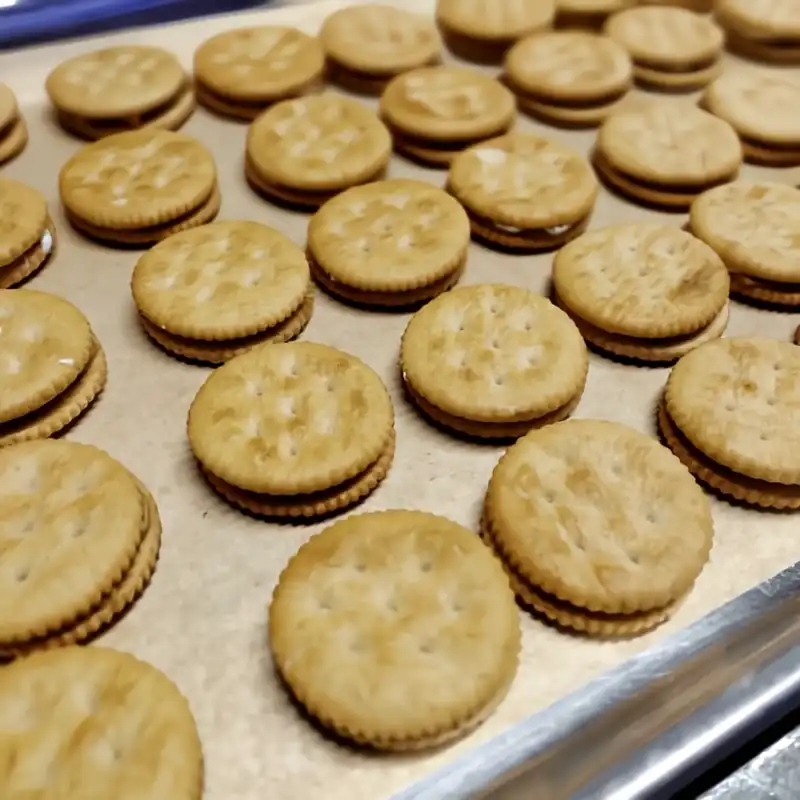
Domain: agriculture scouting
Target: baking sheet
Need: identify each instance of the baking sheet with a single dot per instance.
(203, 619)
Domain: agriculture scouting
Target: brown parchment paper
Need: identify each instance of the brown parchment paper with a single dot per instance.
(203, 618)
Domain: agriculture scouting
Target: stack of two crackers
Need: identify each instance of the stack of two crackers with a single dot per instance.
(53, 366)
(27, 232)
(80, 537)
(120, 89)
(13, 129)
(396, 630)
(293, 430)
(493, 361)
(139, 187)
(731, 413)
(601, 529)
(755, 229)
(213, 292)
(643, 291)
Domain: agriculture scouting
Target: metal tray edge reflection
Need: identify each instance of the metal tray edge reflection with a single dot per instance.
(645, 727)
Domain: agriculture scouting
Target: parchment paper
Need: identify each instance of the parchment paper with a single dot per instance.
(203, 618)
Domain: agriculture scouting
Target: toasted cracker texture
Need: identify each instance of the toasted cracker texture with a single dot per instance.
(430, 621)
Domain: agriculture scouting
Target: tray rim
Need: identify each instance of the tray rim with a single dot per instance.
(485, 767)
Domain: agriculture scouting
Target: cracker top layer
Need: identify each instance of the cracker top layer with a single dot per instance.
(70, 523)
(393, 626)
(447, 103)
(644, 280)
(380, 39)
(499, 20)
(23, 219)
(94, 722)
(674, 144)
(600, 516)
(493, 351)
(524, 181)
(9, 110)
(759, 104)
(290, 419)
(45, 343)
(259, 64)
(569, 65)
(755, 227)
(137, 179)
(738, 401)
(760, 18)
(665, 35)
(221, 281)
(318, 143)
(116, 82)
(394, 235)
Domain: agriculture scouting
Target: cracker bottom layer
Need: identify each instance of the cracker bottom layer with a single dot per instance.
(32, 260)
(509, 237)
(724, 480)
(770, 292)
(122, 595)
(400, 299)
(574, 618)
(62, 410)
(311, 505)
(222, 350)
(168, 116)
(298, 198)
(481, 429)
(649, 351)
(651, 193)
(147, 235)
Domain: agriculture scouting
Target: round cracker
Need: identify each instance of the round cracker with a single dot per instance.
(738, 401)
(70, 526)
(379, 39)
(437, 644)
(114, 712)
(493, 353)
(23, 219)
(666, 36)
(446, 103)
(495, 20)
(137, 179)
(524, 181)
(290, 419)
(642, 280)
(761, 20)
(259, 64)
(600, 516)
(318, 143)
(220, 281)
(671, 144)
(755, 227)
(575, 66)
(389, 236)
(760, 105)
(45, 344)
(120, 81)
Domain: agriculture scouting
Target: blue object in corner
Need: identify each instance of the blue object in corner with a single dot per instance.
(24, 22)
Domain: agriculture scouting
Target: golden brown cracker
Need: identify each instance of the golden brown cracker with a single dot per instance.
(219, 351)
(290, 418)
(441, 622)
(620, 525)
(311, 505)
(112, 709)
(69, 499)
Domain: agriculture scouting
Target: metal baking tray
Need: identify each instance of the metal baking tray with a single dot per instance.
(568, 721)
